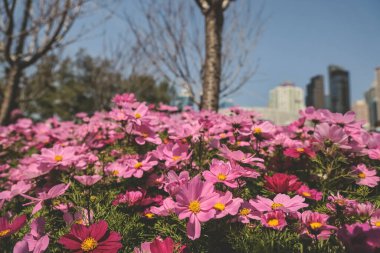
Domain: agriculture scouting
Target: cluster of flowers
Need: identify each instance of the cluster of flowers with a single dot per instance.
(191, 166)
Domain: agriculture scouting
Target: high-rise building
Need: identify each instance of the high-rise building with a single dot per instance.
(339, 89)
(372, 97)
(315, 92)
(360, 108)
(287, 98)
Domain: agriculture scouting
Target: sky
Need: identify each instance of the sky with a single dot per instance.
(300, 39)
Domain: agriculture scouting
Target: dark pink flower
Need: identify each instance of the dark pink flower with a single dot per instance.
(306, 192)
(315, 225)
(95, 239)
(275, 220)
(282, 183)
(7, 229)
(297, 152)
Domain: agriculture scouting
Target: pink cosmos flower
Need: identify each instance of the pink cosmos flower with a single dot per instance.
(8, 229)
(315, 225)
(262, 130)
(226, 204)
(306, 192)
(324, 133)
(130, 198)
(297, 152)
(36, 241)
(137, 169)
(221, 172)
(375, 219)
(359, 237)
(139, 114)
(338, 202)
(79, 217)
(195, 200)
(374, 154)
(116, 169)
(54, 192)
(162, 246)
(95, 238)
(239, 156)
(174, 154)
(165, 209)
(275, 220)
(366, 176)
(88, 180)
(57, 155)
(361, 210)
(280, 202)
(247, 212)
(16, 189)
(173, 181)
(146, 134)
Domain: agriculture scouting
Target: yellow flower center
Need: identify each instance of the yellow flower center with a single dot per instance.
(257, 130)
(377, 224)
(222, 177)
(79, 221)
(223, 135)
(176, 157)
(138, 165)
(361, 175)
(58, 158)
(149, 215)
(219, 206)
(4, 232)
(195, 206)
(89, 244)
(137, 115)
(115, 173)
(276, 205)
(273, 222)
(300, 150)
(340, 202)
(245, 211)
(145, 135)
(315, 225)
(306, 194)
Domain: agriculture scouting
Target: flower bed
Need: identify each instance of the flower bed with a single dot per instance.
(142, 178)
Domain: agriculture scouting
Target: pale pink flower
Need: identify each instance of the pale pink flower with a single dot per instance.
(166, 209)
(240, 156)
(195, 200)
(88, 180)
(226, 204)
(137, 168)
(57, 155)
(54, 192)
(146, 134)
(280, 202)
(16, 189)
(173, 181)
(221, 172)
(34, 242)
(174, 154)
(275, 220)
(366, 176)
(338, 202)
(247, 212)
(329, 135)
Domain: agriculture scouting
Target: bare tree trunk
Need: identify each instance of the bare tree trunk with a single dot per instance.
(213, 62)
(9, 102)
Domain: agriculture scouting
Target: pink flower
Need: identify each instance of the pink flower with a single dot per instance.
(95, 238)
(34, 242)
(315, 225)
(57, 155)
(195, 200)
(8, 229)
(221, 172)
(275, 220)
(329, 135)
(359, 237)
(88, 180)
(282, 183)
(16, 189)
(306, 192)
(297, 152)
(54, 192)
(239, 156)
(280, 202)
(366, 176)
(136, 168)
(375, 219)
(146, 134)
(225, 205)
(173, 181)
(131, 198)
(338, 202)
(168, 206)
(174, 154)
(247, 212)
(139, 114)
(162, 246)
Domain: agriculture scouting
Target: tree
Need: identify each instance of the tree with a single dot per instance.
(29, 30)
(168, 42)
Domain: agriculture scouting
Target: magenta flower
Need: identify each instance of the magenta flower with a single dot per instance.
(282, 183)
(8, 229)
(16, 189)
(34, 242)
(366, 176)
(162, 246)
(88, 180)
(315, 225)
(308, 193)
(375, 219)
(195, 200)
(275, 220)
(221, 172)
(359, 237)
(280, 202)
(95, 238)
(247, 212)
(54, 192)
(297, 152)
(225, 205)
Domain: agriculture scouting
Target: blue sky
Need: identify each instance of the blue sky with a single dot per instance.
(300, 39)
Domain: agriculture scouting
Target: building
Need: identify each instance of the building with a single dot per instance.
(315, 92)
(372, 97)
(360, 108)
(339, 89)
(287, 98)
(183, 99)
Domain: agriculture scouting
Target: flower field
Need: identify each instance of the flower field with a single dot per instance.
(143, 178)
